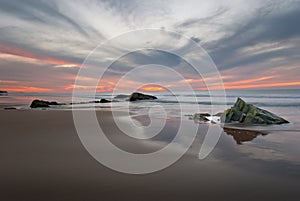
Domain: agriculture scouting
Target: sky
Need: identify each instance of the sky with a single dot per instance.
(43, 44)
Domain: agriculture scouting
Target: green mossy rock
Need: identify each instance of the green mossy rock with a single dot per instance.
(243, 112)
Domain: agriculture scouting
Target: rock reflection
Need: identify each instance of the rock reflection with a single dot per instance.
(241, 135)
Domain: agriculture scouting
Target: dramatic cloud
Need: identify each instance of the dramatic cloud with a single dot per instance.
(254, 44)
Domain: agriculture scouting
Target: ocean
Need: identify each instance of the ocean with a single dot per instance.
(285, 103)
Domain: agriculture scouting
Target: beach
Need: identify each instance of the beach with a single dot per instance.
(149, 100)
(42, 158)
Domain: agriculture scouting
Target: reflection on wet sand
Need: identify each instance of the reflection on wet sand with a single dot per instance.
(241, 135)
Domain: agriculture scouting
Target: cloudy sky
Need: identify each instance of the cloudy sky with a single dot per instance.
(254, 44)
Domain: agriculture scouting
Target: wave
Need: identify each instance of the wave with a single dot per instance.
(229, 103)
(259, 104)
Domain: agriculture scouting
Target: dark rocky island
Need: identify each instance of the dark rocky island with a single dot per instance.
(139, 96)
(243, 112)
(42, 104)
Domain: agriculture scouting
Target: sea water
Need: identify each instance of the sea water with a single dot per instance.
(283, 102)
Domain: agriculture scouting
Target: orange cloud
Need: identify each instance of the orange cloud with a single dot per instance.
(250, 80)
(280, 84)
(152, 88)
(254, 86)
(99, 88)
(22, 53)
(28, 89)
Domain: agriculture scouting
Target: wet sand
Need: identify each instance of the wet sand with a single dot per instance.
(42, 158)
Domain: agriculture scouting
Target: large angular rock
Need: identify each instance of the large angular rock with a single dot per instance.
(41, 103)
(243, 112)
(139, 96)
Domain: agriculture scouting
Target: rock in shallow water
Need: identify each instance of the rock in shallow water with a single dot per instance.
(41, 103)
(201, 117)
(243, 112)
(139, 96)
(105, 101)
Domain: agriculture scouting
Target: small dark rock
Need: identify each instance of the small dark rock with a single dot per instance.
(139, 96)
(105, 101)
(90, 102)
(10, 108)
(201, 117)
(42, 104)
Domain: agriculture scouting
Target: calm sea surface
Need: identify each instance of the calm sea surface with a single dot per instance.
(285, 103)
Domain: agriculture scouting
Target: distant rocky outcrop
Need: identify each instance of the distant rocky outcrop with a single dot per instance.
(3, 93)
(42, 104)
(139, 96)
(243, 112)
(105, 101)
(122, 96)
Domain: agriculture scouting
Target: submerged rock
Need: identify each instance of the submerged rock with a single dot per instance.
(139, 96)
(243, 112)
(41, 103)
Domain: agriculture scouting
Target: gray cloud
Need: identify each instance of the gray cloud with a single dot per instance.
(208, 20)
(235, 33)
(147, 57)
(38, 75)
(266, 27)
(39, 11)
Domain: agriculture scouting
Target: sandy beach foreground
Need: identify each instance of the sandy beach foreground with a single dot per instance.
(42, 158)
